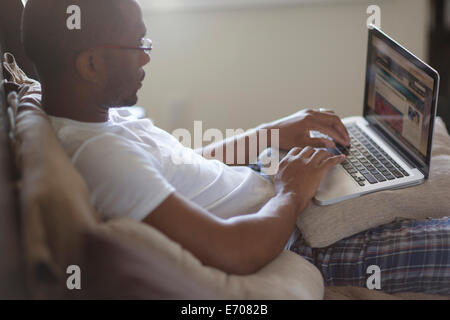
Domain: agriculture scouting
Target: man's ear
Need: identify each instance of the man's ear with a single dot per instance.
(90, 67)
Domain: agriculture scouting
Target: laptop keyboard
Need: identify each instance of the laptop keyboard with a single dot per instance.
(367, 163)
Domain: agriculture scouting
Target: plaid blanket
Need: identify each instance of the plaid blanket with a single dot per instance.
(409, 256)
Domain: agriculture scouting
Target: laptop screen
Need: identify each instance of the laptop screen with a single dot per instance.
(400, 95)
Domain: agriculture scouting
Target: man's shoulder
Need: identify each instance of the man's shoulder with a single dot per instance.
(107, 145)
(76, 136)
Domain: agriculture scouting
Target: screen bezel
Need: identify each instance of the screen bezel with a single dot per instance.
(397, 145)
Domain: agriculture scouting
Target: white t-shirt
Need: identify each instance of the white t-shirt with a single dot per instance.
(129, 168)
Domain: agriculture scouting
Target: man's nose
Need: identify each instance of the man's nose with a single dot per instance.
(145, 58)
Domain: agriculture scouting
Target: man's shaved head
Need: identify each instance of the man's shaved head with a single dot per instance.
(86, 70)
(53, 47)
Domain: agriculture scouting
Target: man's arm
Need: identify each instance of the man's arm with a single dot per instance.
(240, 245)
(240, 146)
(244, 244)
(293, 131)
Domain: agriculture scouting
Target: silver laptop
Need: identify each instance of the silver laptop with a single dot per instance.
(391, 142)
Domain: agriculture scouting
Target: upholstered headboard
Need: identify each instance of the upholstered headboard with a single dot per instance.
(11, 266)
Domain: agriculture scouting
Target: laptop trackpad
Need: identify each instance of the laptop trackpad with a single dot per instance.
(336, 185)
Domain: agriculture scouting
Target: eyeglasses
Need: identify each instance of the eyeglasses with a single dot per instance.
(146, 46)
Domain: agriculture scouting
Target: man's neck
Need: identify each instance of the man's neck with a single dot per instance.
(73, 105)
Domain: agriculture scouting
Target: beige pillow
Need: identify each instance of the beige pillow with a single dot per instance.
(321, 226)
(56, 212)
(54, 203)
(289, 276)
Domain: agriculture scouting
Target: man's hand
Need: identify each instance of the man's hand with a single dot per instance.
(294, 129)
(301, 172)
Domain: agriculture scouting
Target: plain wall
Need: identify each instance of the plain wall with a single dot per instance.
(239, 67)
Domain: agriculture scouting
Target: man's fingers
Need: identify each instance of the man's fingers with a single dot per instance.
(333, 161)
(294, 151)
(321, 155)
(330, 131)
(307, 152)
(321, 143)
(333, 121)
(337, 129)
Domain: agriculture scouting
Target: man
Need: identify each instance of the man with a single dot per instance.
(230, 217)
